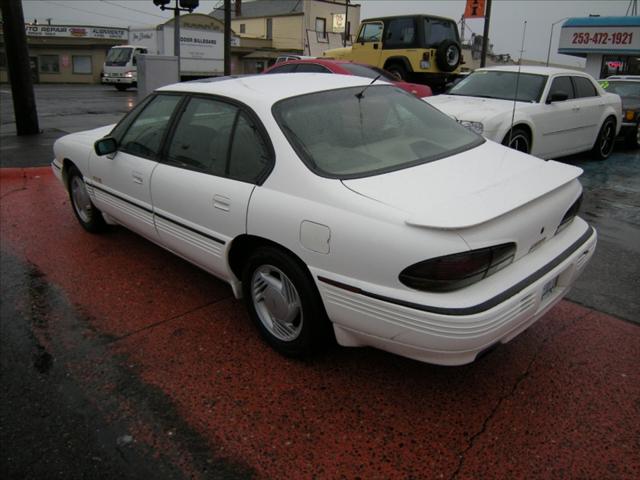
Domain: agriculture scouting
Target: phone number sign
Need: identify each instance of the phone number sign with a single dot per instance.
(607, 39)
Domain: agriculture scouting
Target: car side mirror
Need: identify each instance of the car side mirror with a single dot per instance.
(105, 146)
(558, 96)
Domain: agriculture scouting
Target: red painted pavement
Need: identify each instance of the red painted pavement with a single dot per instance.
(560, 401)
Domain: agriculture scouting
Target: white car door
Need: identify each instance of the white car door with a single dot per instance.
(558, 121)
(121, 183)
(201, 190)
(591, 107)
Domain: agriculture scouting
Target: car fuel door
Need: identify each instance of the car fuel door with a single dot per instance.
(201, 190)
(121, 181)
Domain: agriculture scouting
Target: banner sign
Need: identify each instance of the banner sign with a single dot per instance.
(601, 38)
(474, 9)
(74, 31)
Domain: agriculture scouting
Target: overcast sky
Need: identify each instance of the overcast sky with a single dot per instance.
(506, 19)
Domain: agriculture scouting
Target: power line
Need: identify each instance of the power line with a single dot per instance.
(89, 11)
(134, 9)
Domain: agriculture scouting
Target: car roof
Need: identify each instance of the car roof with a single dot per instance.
(622, 78)
(323, 61)
(266, 90)
(535, 70)
(408, 15)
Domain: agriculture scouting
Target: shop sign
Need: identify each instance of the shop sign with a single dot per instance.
(76, 32)
(338, 22)
(474, 9)
(606, 39)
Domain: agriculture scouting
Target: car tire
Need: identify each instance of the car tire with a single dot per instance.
(632, 139)
(398, 70)
(606, 140)
(518, 139)
(284, 303)
(121, 88)
(85, 211)
(448, 56)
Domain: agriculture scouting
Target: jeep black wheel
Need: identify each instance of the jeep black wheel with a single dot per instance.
(448, 56)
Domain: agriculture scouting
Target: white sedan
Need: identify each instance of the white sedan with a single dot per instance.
(548, 112)
(339, 208)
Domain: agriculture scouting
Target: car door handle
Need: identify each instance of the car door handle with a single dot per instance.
(137, 177)
(221, 203)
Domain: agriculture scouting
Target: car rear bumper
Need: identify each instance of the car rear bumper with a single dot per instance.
(453, 336)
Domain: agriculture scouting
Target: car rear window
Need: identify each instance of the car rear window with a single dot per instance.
(351, 133)
(367, 72)
(501, 85)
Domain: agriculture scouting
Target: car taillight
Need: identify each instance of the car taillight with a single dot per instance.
(452, 272)
(570, 215)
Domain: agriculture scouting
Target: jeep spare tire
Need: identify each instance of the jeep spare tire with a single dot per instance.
(448, 56)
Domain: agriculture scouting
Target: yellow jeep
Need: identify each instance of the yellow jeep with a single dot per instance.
(421, 48)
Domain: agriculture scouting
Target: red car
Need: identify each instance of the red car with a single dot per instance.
(343, 67)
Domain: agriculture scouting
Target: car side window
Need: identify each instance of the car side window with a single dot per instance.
(584, 87)
(144, 136)
(400, 33)
(437, 31)
(562, 84)
(201, 138)
(284, 68)
(370, 32)
(123, 125)
(249, 154)
(311, 68)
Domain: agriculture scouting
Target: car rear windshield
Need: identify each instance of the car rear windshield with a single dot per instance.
(368, 72)
(118, 57)
(502, 85)
(622, 88)
(351, 133)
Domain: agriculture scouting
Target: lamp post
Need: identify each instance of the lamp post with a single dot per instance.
(551, 37)
(185, 6)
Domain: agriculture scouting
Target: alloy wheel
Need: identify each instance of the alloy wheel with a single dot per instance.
(80, 199)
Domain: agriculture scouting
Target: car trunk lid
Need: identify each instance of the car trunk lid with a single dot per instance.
(467, 189)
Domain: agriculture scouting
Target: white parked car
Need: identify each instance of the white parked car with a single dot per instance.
(333, 204)
(557, 112)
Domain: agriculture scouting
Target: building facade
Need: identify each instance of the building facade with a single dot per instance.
(66, 53)
(610, 45)
(306, 27)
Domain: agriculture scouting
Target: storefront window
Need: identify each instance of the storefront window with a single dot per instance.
(82, 64)
(619, 65)
(49, 64)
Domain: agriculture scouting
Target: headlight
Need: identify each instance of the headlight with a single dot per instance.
(473, 126)
(128, 74)
(630, 115)
(452, 272)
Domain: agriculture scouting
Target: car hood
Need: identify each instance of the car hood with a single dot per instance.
(466, 189)
(470, 108)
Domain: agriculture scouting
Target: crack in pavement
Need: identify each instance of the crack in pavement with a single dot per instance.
(160, 322)
(519, 379)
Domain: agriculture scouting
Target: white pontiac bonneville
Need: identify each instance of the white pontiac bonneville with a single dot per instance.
(557, 111)
(328, 203)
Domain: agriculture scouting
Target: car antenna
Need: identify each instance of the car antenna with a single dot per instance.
(360, 95)
(515, 95)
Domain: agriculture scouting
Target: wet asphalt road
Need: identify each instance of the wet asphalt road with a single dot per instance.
(88, 395)
(611, 202)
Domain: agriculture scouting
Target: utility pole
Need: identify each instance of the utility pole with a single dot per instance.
(485, 35)
(346, 22)
(15, 42)
(227, 37)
